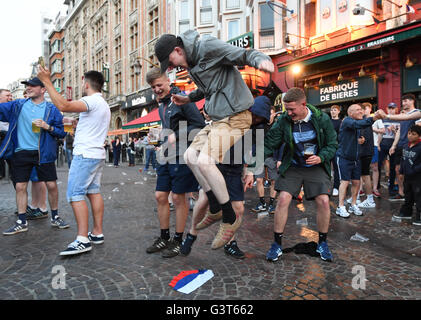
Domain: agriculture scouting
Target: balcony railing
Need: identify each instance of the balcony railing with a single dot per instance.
(267, 38)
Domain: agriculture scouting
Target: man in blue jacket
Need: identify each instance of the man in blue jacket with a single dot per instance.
(348, 156)
(34, 126)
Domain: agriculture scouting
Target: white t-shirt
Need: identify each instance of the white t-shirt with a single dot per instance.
(378, 124)
(92, 128)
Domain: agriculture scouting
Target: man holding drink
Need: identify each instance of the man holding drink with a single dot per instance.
(34, 125)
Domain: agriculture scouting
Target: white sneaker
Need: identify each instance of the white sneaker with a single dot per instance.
(341, 211)
(355, 210)
(367, 204)
(335, 192)
(349, 201)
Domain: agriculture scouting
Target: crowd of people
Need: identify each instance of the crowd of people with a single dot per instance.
(239, 140)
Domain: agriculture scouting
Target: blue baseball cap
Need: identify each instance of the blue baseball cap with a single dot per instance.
(34, 82)
(392, 105)
(261, 107)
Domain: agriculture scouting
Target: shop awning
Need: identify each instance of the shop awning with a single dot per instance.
(118, 132)
(383, 38)
(152, 118)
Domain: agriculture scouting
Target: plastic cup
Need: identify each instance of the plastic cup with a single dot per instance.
(68, 124)
(35, 128)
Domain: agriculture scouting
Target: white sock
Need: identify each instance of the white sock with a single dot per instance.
(370, 198)
(82, 239)
(33, 208)
(97, 235)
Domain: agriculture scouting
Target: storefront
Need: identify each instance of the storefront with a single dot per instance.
(376, 69)
(140, 104)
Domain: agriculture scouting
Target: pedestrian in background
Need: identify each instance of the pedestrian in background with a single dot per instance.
(88, 157)
(131, 151)
(150, 153)
(116, 147)
(335, 110)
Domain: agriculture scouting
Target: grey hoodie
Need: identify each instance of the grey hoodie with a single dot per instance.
(212, 67)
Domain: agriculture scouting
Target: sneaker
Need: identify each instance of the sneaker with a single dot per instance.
(400, 215)
(335, 192)
(225, 233)
(158, 245)
(233, 250)
(367, 204)
(17, 227)
(376, 194)
(172, 250)
(397, 197)
(187, 244)
(274, 252)
(324, 251)
(342, 212)
(35, 214)
(208, 220)
(96, 239)
(355, 210)
(76, 247)
(59, 222)
(172, 208)
(362, 193)
(271, 209)
(349, 201)
(266, 184)
(417, 220)
(259, 207)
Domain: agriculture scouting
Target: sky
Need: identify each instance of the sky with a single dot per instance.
(20, 34)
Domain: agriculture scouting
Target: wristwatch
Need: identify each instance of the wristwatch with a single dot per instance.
(50, 128)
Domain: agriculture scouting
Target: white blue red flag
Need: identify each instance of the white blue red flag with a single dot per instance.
(188, 281)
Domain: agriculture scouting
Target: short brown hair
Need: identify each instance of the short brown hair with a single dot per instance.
(294, 95)
(153, 74)
(335, 106)
(367, 105)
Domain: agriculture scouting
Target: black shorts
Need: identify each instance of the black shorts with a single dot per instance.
(177, 178)
(314, 180)
(365, 165)
(398, 156)
(24, 161)
(234, 185)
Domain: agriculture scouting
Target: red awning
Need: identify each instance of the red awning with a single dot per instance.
(152, 118)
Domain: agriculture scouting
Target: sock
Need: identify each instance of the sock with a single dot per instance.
(214, 206)
(178, 236)
(370, 198)
(54, 214)
(271, 201)
(43, 209)
(165, 234)
(191, 237)
(228, 214)
(82, 239)
(322, 237)
(262, 200)
(33, 208)
(22, 217)
(278, 238)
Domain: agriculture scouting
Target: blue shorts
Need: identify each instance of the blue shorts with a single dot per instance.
(177, 178)
(34, 175)
(84, 178)
(376, 155)
(234, 185)
(348, 169)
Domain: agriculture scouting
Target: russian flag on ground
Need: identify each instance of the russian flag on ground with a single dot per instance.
(188, 281)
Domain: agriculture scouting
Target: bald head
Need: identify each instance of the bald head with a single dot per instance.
(355, 112)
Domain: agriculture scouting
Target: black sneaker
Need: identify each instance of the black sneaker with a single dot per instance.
(187, 244)
(400, 215)
(233, 250)
(397, 197)
(417, 220)
(76, 247)
(172, 250)
(158, 245)
(96, 239)
(34, 214)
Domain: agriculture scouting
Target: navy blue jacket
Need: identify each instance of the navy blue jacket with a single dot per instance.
(349, 133)
(10, 111)
(411, 162)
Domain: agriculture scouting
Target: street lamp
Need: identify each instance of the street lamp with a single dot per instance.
(138, 65)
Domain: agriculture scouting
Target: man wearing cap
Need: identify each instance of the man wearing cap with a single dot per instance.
(5, 96)
(211, 64)
(34, 126)
(385, 143)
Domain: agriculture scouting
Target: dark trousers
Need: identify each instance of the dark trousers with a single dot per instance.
(336, 181)
(131, 157)
(384, 151)
(150, 157)
(412, 191)
(116, 155)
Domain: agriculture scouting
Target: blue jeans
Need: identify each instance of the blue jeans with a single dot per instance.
(150, 156)
(69, 157)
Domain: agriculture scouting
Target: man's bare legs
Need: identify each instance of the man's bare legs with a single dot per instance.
(39, 196)
(97, 206)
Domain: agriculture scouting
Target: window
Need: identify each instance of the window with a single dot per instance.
(117, 47)
(206, 12)
(134, 42)
(153, 24)
(56, 67)
(118, 83)
(55, 47)
(184, 22)
(233, 29)
(134, 79)
(267, 31)
(233, 4)
(117, 12)
(133, 5)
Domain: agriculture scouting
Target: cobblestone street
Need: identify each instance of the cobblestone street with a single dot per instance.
(121, 269)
